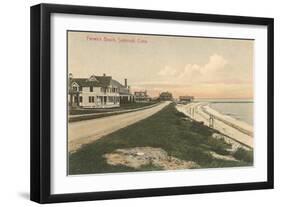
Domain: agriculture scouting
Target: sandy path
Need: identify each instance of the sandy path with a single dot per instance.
(84, 132)
(199, 112)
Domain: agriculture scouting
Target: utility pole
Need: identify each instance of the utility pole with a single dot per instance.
(211, 121)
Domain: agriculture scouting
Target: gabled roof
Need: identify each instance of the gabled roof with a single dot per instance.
(100, 81)
(104, 80)
(84, 82)
(116, 84)
(122, 89)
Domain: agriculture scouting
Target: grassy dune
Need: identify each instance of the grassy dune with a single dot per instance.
(166, 129)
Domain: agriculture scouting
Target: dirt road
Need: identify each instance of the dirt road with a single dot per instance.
(84, 132)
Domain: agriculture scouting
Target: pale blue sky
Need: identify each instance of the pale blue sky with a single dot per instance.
(203, 67)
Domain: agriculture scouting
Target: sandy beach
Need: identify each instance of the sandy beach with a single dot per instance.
(238, 130)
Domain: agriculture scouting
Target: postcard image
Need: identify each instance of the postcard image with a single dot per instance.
(152, 102)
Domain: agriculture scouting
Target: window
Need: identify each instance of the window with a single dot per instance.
(110, 98)
(80, 88)
(80, 99)
(91, 99)
(74, 88)
(91, 88)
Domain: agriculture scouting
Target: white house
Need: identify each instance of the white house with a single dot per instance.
(93, 92)
(142, 96)
(186, 99)
(124, 92)
(97, 92)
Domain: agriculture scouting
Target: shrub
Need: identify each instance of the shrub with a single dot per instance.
(201, 129)
(218, 145)
(245, 155)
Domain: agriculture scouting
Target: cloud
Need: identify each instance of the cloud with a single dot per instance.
(209, 72)
(216, 70)
(215, 78)
(216, 62)
(190, 72)
(167, 71)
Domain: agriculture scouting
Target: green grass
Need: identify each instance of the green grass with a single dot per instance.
(167, 129)
(242, 154)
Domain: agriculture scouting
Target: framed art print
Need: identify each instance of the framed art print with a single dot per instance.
(132, 103)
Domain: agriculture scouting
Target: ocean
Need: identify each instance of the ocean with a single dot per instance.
(240, 109)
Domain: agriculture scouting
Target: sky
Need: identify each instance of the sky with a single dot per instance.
(200, 67)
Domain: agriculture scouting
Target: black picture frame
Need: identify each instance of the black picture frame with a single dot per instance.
(41, 102)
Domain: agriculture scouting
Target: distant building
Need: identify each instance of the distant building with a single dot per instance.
(155, 99)
(141, 96)
(186, 99)
(96, 92)
(124, 92)
(166, 96)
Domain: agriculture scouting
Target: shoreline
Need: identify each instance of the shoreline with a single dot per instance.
(241, 126)
(227, 125)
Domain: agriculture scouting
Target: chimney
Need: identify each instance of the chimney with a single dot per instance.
(70, 76)
(104, 74)
(126, 82)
